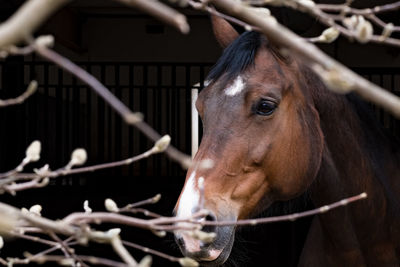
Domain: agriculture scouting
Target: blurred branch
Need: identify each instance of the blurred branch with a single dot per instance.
(366, 11)
(20, 99)
(160, 11)
(129, 117)
(26, 20)
(77, 228)
(41, 176)
(335, 75)
(363, 32)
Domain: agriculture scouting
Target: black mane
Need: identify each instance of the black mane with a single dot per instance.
(237, 56)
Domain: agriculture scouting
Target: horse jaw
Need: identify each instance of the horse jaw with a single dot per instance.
(209, 254)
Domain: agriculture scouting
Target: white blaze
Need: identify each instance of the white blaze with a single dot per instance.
(236, 87)
(189, 199)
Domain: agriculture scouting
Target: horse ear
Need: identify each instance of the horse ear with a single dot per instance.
(223, 31)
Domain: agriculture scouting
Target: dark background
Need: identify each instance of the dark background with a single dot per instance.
(152, 68)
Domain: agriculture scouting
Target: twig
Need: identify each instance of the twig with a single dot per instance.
(122, 251)
(26, 20)
(366, 11)
(151, 251)
(20, 99)
(68, 252)
(290, 217)
(36, 178)
(312, 56)
(160, 11)
(128, 116)
(211, 10)
(90, 259)
(151, 200)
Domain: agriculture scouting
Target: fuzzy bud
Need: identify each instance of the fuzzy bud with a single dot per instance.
(110, 205)
(162, 144)
(188, 262)
(206, 164)
(35, 209)
(335, 80)
(203, 236)
(364, 31)
(146, 261)
(159, 233)
(306, 3)
(387, 31)
(156, 198)
(113, 232)
(33, 151)
(261, 11)
(78, 157)
(362, 28)
(86, 207)
(329, 35)
(1, 242)
(45, 41)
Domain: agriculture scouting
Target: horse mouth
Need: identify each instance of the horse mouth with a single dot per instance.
(224, 254)
(213, 254)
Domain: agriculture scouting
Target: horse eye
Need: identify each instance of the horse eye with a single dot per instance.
(265, 108)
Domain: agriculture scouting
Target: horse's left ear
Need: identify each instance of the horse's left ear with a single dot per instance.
(223, 31)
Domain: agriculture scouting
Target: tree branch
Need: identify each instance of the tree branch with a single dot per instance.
(333, 73)
(20, 99)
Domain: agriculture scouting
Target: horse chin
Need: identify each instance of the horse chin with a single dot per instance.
(213, 254)
(219, 257)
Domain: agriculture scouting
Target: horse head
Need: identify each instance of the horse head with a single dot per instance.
(260, 129)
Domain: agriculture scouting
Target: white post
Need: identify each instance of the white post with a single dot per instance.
(195, 121)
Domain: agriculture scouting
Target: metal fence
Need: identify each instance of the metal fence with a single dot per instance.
(66, 114)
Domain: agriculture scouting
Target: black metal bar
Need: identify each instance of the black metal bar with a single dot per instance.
(101, 128)
(59, 118)
(118, 125)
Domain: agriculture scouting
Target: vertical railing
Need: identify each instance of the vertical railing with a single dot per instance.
(81, 118)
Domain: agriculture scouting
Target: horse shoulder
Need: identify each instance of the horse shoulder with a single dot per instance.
(319, 251)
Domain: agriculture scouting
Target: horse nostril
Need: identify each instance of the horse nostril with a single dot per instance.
(210, 218)
(179, 241)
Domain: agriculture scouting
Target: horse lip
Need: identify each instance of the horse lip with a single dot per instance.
(213, 254)
(223, 254)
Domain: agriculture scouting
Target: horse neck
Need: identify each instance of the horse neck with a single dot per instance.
(357, 158)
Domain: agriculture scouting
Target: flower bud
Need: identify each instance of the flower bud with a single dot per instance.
(364, 31)
(188, 262)
(114, 232)
(306, 3)
(78, 157)
(86, 207)
(35, 209)
(162, 144)
(33, 151)
(145, 262)
(45, 40)
(110, 205)
(329, 35)
(1, 242)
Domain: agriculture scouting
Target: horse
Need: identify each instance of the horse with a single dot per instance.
(274, 131)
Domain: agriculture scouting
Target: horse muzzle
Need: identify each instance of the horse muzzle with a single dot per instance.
(214, 253)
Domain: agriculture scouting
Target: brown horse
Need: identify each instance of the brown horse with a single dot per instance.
(273, 132)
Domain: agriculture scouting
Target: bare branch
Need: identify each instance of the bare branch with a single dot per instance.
(128, 116)
(310, 54)
(151, 251)
(366, 11)
(26, 20)
(20, 99)
(291, 217)
(119, 248)
(160, 11)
